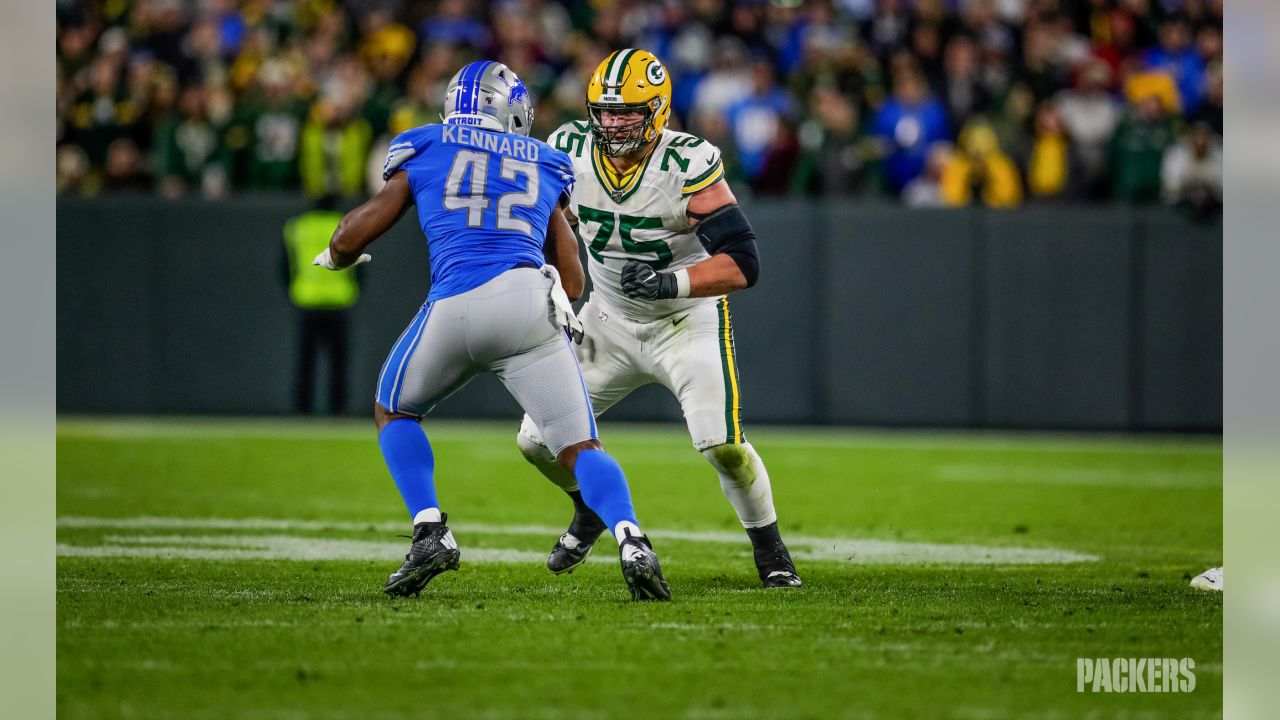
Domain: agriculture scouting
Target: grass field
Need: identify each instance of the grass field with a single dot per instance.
(220, 569)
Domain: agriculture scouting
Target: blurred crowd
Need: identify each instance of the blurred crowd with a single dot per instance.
(939, 103)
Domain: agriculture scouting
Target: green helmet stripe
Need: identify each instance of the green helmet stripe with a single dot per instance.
(619, 66)
(607, 80)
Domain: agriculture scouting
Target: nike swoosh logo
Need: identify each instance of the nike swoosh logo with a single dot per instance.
(711, 160)
(679, 320)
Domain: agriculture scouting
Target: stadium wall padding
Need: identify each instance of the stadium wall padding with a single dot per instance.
(1052, 317)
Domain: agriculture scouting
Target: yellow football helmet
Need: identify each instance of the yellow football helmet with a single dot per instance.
(629, 79)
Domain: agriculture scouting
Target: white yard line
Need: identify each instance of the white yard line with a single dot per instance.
(280, 546)
(1083, 476)
(270, 547)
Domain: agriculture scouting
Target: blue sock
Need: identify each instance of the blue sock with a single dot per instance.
(604, 487)
(408, 455)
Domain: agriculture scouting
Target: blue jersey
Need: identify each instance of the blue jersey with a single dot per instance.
(484, 199)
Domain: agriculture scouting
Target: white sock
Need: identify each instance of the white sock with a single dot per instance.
(427, 515)
(745, 483)
(620, 530)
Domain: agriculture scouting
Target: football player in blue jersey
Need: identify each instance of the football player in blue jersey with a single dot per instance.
(488, 200)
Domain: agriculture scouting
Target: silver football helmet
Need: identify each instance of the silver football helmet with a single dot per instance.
(489, 95)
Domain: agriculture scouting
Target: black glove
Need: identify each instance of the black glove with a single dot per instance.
(641, 281)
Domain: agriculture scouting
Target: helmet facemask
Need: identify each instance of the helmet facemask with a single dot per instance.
(620, 140)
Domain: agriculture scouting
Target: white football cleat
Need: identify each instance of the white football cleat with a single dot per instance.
(1210, 579)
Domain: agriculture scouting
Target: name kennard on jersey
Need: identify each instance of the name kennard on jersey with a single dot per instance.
(505, 144)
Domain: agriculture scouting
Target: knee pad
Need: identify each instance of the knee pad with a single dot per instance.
(530, 443)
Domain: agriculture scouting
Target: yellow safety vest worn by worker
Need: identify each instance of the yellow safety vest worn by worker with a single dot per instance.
(312, 287)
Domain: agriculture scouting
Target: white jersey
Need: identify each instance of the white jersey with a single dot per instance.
(645, 218)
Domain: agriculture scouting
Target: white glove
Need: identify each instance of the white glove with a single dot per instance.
(325, 260)
(565, 316)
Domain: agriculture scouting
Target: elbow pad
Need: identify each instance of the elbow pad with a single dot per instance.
(727, 232)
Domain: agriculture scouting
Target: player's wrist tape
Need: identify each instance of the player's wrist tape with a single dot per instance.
(325, 260)
(682, 283)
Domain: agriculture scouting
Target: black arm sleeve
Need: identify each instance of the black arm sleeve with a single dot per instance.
(727, 232)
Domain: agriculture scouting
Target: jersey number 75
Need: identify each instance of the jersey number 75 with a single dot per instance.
(632, 249)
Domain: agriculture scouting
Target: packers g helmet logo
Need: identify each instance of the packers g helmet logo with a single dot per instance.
(628, 81)
(655, 73)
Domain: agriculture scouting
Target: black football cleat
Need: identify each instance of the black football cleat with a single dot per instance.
(573, 547)
(641, 570)
(775, 567)
(433, 551)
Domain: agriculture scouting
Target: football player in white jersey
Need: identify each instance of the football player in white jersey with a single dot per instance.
(667, 242)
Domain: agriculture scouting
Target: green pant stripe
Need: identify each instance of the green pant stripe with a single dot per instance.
(732, 411)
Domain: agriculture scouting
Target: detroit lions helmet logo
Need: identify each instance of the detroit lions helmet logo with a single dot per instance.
(519, 93)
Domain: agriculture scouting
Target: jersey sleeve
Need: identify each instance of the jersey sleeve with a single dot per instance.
(563, 169)
(705, 167)
(405, 146)
(570, 138)
(560, 168)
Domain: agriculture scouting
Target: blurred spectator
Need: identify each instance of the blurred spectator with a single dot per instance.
(729, 79)
(1137, 151)
(887, 28)
(189, 153)
(1053, 170)
(834, 158)
(1209, 44)
(980, 171)
(926, 190)
(1141, 84)
(926, 47)
(102, 111)
(962, 90)
(1090, 115)
(1069, 49)
(1191, 172)
(758, 125)
(125, 170)
(1115, 35)
(1176, 56)
(1210, 111)
(778, 170)
(266, 129)
(1014, 122)
(335, 147)
(1041, 70)
(907, 125)
(386, 50)
(455, 23)
(158, 25)
(75, 47)
(73, 171)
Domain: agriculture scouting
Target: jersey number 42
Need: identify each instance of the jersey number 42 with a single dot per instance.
(476, 202)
